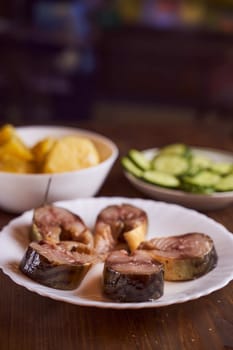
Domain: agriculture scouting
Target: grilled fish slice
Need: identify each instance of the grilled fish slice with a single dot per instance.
(132, 278)
(124, 225)
(53, 224)
(59, 266)
(185, 257)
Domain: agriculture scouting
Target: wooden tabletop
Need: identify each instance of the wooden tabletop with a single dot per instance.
(29, 321)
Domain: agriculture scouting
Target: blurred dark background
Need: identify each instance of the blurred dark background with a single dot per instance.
(60, 60)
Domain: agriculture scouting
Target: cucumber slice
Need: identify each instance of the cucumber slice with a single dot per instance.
(225, 184)
(176, 149)
(198, 163)
(129, 166)
(161, 179)
(193, 188)
(139, 159)
(171, 164)
(204, 178)
(222, 168)
(201, 162)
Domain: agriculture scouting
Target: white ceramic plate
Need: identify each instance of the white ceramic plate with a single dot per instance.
(164, 219)
(195, 201)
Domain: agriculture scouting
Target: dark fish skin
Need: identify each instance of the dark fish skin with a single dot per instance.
(52, 274)
(133, 287)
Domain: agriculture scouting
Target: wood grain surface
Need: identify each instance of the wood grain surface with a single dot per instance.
(31, 322)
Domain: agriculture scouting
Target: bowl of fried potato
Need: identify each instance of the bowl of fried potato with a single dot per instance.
(44, 164)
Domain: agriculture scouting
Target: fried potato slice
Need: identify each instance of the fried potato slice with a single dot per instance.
(12, 164)
(6, 132)
(71, 153)
(16, 148)
(40, 151)
(12, 145)
(41, 148)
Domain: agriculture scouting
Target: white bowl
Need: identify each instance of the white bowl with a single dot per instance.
(213, 201)
(21, 192)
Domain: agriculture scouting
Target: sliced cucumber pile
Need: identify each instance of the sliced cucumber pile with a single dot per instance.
(177, 166)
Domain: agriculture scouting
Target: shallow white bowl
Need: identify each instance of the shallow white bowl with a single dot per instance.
(211, 201)
(20, 192)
